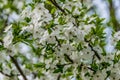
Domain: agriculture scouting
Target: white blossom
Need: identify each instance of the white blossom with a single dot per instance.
(117, 36)
(8, 39)
(53, 48)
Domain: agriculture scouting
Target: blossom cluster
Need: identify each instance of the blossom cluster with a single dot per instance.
(61, 46)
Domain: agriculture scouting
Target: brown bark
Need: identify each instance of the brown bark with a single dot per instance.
(113, 18)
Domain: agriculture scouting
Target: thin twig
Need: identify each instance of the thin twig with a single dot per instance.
(58, 41)
(91, 69)
(9, 75)
(5, 74)
(58, 78)
(18, 67)
(56, 5)
(68, 58)
(96, 54)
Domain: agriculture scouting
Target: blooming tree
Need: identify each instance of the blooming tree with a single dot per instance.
(63, 42)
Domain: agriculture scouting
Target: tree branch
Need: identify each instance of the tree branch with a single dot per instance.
(58, 41)
(113, 19)
(96, 54)
(5, 74)
(8, 75)
(56, 5)
(68, 58)
(58, 78)
(18, 67)
(91, 69)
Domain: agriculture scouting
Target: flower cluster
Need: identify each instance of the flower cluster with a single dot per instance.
(63, 43)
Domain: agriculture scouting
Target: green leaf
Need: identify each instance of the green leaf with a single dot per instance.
(78, 77)
(49, 30)
(2, 47)
(59, 68)
(49, 6)
(73, 8)
(49, 26)
(49, 49)
(27, 19)
(104, 65)
(104, 52)
(53, 10)
(68, 74)
(39, 65)
(16, 29)
(61, 20)
(94, 66)
(38, 51)
(116, 58)
(80, 67)
(87, 74)
(62, 0)
(29, 66)
(93, 30)
(108, 74)
(26, 35)
(118, 45)
(32, 5)
(1, 67)
(36, 1)
(79, 47)
(40, 74)
(61, 41)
